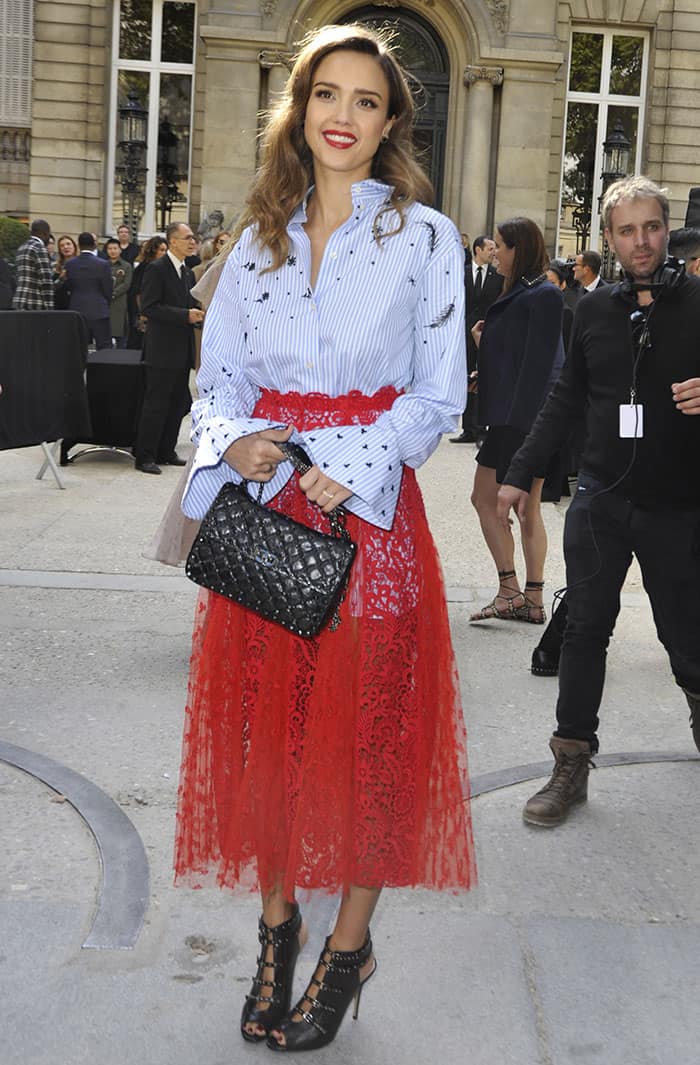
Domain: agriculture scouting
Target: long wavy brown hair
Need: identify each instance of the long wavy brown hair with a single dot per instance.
(286, 169)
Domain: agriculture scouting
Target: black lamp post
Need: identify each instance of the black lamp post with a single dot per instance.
(167, 176)
(616, 156)
(616, 163)
(133, 125)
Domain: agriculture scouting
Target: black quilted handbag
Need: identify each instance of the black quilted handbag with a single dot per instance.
(270, 563)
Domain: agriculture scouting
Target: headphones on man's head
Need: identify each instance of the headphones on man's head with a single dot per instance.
(667, 276)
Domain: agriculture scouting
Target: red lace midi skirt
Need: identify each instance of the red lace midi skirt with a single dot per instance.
(337, 760)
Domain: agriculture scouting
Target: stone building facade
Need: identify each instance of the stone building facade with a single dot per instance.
(517, 99)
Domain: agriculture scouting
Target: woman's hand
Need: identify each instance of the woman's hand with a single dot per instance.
(322, 490)
(477, 330)
(255, 456)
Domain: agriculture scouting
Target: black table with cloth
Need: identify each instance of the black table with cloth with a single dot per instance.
(115, 380)
(42, 361)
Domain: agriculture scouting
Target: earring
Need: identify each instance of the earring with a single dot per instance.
(384, 138)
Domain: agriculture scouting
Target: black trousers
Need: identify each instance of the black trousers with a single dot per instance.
(166, 401)
(470, 417)
(667, 546)
(100, 330)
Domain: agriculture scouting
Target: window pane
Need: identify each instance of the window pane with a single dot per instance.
(172, 181)
(138, 82)
(578, 175)
(178, 33)
(626, 69)
(135, 29)
(586, 62)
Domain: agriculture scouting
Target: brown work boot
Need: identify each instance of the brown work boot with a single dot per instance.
(694, 704)
(567, 785)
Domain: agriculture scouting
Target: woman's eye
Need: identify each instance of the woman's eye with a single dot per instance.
(323, 94)
(365, 102)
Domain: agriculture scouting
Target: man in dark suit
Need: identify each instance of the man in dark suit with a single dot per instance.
(89, 285)
(483, 287)
(172, 314)
(587, 272)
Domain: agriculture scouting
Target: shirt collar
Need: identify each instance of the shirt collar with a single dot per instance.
(177, 263)
(593, 284)
(368, 193)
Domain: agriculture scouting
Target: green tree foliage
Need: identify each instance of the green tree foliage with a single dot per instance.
(12, 235)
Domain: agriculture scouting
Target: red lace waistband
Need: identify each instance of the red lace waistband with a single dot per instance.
(316, 408)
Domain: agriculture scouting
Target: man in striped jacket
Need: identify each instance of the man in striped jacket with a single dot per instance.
(34, 290)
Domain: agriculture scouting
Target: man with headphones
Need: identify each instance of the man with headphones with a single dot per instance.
(634, 365)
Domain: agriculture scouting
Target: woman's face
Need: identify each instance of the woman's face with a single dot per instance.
(161, 250)
(554, 279)
(346, 114)
(66, 248)
(504, 258)
(220, 241)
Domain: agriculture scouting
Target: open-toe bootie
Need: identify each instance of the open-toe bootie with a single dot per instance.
(315, 1020)
(271, 992)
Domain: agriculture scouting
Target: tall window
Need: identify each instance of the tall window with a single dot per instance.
(153, 68)
(16, 18)
(607, 84)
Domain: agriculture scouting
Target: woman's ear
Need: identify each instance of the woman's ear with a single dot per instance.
(387, 129)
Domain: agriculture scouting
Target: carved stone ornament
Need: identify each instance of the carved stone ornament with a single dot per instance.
(386, 3)
(500, 13)
(268, 6)
(492, 74)
(275, 58)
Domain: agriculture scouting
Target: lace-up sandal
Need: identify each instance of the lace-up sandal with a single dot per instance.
(492, 610)
(269, 1000)
(316, 1018)
(534, 613)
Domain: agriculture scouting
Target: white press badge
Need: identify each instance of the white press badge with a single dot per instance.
(631, 420)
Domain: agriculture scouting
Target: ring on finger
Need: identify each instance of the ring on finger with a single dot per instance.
(325, 492)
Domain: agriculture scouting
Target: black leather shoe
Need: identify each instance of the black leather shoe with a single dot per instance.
(545, 663)
(173, 460)
(148, 467)
(463, 438)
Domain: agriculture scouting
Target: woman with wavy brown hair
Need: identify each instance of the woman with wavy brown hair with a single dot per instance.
(336, 762)
(520, 357)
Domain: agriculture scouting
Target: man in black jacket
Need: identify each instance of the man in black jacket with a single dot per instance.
(483, 287)
(634, 359)
(89, 285)
(172, 314)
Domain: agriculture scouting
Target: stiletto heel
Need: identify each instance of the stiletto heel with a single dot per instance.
(268, 1010)
(316, 1018)
(358, 993)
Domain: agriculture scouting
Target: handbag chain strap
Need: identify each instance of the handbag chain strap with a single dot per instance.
(302, 464)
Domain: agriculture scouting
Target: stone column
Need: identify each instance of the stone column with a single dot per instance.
(476, 167)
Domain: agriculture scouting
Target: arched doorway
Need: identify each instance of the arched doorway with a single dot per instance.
(424, 56)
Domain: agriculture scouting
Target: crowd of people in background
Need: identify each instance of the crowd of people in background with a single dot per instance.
(105, 288)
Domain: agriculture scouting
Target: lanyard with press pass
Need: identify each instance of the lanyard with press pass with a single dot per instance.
(632, 418)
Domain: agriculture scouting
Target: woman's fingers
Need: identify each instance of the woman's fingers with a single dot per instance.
(322, 490)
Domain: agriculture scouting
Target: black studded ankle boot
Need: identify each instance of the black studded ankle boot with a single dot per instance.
(269, 1000)
(315, 1020)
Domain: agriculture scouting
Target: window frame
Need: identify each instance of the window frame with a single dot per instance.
(154, 68)
(604, 99)
(16, 62)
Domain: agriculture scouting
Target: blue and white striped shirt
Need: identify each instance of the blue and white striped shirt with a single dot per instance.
(389, 314)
